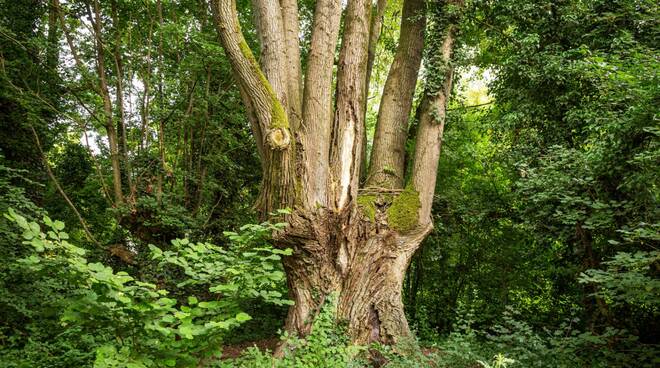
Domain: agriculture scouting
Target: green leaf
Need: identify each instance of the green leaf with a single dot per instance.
(242, 317)
(168, 318)
(38, 244)
(35, 227)
(223, 288)
(58, 225)
(188, 330)
(285, 252)
(28, 235)
(155, 251)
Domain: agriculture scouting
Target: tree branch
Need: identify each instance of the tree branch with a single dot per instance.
(60, 190)
(268, 109)
(346, 146)
(388, 154)
(317, 115)
(431, 126)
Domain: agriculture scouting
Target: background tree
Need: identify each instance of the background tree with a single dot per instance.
(541, 207)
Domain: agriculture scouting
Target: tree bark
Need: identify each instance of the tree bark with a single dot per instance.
(388, 155)
(360, 262)
(429, 134)
(316, 128)
(273, 58)
(293, 67)
(348, 127)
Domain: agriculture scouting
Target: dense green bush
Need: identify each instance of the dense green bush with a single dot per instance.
(132, 323)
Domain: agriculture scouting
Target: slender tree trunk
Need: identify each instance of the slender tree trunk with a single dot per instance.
(107, 104)
(101, 88)
(375, 30)
(121, 122)
(52, 51)
(146, 81)
(201, 165)
(593, 302)
(161, 122)
(61, 191)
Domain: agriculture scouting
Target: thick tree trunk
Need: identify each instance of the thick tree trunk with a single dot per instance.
(360, 261)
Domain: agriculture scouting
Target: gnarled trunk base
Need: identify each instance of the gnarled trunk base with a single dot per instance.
(359, 259)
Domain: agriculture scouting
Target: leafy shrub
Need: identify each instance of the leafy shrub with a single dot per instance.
(499, 361)
(627, 279)
(515, 343)
(139, 324)
(327, 346)
(30, 332)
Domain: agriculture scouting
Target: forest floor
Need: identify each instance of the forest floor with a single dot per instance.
(235, 350)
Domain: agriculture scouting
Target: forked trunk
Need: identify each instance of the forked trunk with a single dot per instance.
(351, 242)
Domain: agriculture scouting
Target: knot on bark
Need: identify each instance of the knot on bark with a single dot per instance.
(279, 138)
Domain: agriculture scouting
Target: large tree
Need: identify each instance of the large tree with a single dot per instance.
(351, 238)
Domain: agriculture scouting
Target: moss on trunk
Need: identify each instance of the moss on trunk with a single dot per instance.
(403, 214)
(368, 205)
